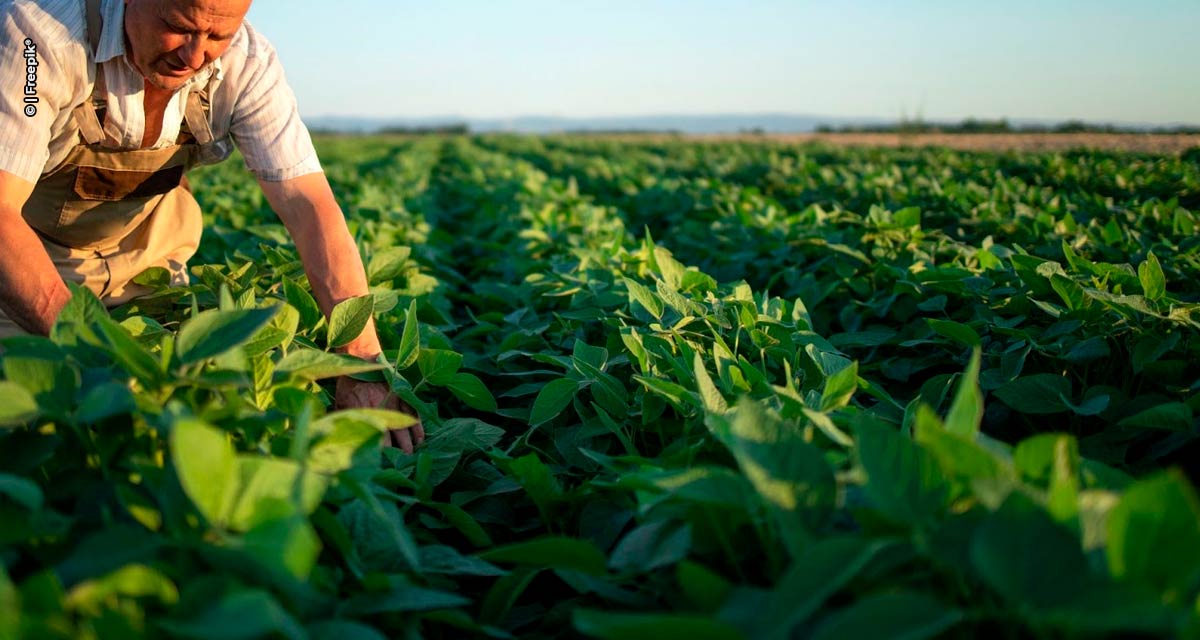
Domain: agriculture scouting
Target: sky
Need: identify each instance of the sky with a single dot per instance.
(1099, 60)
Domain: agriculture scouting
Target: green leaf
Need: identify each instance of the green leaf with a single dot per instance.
(207, 467)
(817, 574)
(703, 587)
(839, 387)
(127, 352)
(1027, 557)
(552, 552)
(904, 481)
(410, 339)
(713, 401)
(104, 401)
(380, 536)
(311, 364)
(81, 310)
(129, 581)
(348, 319)
(649, 301)
(401, 597)
(552, 400)
(1154, 536)
(243, 615)
(387, 264)
(17, 405)
(343, 630)
(302, 300)
(652, 545)
(1052, 460)
(214, 332)
(788, 473)
(21, 491)
(651, 626)
(966, 412)
(956, 331)
(964, 459)
(288, 543)
(278, 332)
(1171, 416)
(1037, 394)
(348, 440)
(901, 615)
(438, 366)
(263, 480)
(1150, 274)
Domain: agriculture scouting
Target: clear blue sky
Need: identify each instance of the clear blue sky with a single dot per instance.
(1100, 60)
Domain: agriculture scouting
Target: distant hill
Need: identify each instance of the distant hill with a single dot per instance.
(716, 123)
(693, 124)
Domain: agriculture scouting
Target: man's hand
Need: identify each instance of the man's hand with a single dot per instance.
(353, 394)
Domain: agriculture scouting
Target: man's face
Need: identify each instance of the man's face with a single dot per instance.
(168, 41)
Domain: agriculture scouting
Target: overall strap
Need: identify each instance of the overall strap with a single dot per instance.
(196, 116)
(85, 115)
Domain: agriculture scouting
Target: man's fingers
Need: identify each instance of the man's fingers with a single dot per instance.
(402, 439)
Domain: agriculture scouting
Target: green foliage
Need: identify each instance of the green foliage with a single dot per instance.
(671, 388)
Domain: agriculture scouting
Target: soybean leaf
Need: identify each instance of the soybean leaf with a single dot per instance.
(438, 366)
(1150, 274)
(302, 300)
(410, 340)
(1040, 393)
(651, 626)
(550, 551)
(903, 614)
(311, 364)
(904, 481)
(214, 332)
(966, 412)
(207, 467)
(241, 615)
(649, 301)
(17, 405)
(1154, 535)
(552, 399)
(348, 319)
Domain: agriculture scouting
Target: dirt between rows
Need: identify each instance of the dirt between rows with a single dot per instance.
(1136, 142)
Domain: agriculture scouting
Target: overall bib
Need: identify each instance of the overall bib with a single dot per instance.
(106, 215)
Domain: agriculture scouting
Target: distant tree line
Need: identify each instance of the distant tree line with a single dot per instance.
(974, 125)
(431, 130)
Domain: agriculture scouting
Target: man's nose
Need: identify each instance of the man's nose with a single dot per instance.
(192, 53)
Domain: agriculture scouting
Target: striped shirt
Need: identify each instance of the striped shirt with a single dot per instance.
(46, 70)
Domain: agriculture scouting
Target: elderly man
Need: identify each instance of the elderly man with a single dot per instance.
(104, 105)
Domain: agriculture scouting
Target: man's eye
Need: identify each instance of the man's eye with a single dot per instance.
(175, 28)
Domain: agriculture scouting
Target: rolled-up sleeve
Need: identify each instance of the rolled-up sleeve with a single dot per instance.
(35, 88)
(266, 123)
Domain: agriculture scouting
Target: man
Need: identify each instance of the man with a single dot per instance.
(104, 105)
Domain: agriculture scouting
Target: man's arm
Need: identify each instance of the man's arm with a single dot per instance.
(31, 291)
(312, 216)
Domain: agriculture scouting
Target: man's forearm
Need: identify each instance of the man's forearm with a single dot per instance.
(31, 291)
(331, 260)
(335, 272)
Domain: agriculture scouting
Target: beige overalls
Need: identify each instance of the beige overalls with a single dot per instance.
(106, 215)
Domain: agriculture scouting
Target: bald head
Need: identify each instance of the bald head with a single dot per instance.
(168, 41)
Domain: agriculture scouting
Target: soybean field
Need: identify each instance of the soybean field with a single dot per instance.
(673, 389)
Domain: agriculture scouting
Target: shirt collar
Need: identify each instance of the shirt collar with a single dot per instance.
(112, 42)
